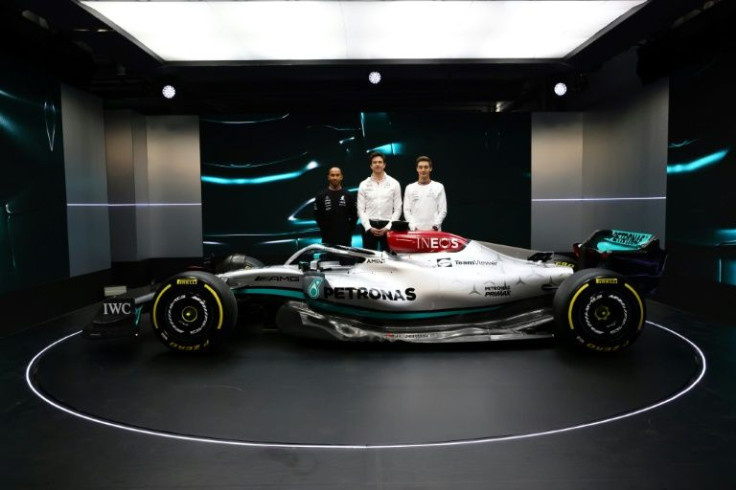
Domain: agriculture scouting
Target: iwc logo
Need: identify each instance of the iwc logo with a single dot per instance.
(118, 307)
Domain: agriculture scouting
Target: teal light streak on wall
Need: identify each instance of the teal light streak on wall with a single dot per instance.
(266, 179)
(727, 271)
(680, 168)
(248, 121)
(8, 125)
(681, 144)
(389, 148)
(250, 181)
(725, 235)
(15, 98)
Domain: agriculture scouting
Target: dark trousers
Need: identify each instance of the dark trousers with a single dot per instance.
(337, 238)
(372, 242)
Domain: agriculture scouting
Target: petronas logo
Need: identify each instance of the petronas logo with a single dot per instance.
(313, 289)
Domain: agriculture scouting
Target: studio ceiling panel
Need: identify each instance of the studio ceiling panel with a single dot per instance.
(267, 31)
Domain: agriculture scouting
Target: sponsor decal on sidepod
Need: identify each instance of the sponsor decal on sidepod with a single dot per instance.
(407, 294)
(498, 290)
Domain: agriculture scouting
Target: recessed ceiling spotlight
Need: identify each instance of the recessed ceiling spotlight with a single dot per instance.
(560, 89)
(168, 91)
(374, 77)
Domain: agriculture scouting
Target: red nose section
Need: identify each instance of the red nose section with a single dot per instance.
(425, 242)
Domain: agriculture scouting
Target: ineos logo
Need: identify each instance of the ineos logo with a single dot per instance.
(434, 242)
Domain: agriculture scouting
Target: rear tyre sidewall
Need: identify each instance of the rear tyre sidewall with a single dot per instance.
(598, 311)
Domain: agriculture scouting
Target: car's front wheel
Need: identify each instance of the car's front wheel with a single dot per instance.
(192, 310)
(597, 310)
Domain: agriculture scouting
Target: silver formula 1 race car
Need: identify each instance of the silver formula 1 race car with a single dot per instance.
(432, 287)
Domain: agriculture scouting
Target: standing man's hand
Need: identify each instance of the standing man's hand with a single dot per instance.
(377, 232)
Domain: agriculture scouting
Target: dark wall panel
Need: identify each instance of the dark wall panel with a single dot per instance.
(701, 171)
(701, 205)
(33, 236)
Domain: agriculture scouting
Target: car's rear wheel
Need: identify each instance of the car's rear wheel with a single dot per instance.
(597, 310)
(192, 310)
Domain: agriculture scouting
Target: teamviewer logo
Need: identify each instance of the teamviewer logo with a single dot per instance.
(118, 307)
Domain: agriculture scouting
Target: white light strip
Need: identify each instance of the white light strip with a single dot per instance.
(482, 440)
(183, 31)
(130, 205)
(595, 199)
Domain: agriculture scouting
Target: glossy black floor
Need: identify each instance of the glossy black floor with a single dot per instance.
(513, 414)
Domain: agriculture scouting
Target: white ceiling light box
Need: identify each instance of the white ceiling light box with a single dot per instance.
(258, 31)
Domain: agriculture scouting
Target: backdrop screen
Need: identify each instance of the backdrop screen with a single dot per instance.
(33, 239)
(701, 170)
(260, 173)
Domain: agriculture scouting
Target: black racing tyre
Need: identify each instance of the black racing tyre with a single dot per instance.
(236, 262)
(597, 310)
(191, 311)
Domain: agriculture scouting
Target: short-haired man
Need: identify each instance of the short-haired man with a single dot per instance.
(425, 203)
(379, 203)
(335, 211)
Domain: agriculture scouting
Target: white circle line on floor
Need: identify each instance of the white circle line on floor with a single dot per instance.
(462, 442)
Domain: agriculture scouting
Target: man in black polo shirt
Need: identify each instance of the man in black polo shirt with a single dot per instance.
(335, 211)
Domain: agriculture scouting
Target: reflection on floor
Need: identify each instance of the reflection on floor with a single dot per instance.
(270, 388)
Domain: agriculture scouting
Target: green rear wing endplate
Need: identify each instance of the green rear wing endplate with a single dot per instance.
(619, 240)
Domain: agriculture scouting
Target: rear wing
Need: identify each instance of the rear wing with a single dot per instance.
(618, 241)
(636, 255)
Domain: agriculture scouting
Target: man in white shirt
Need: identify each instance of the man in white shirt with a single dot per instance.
(379, 203)
(425, 203)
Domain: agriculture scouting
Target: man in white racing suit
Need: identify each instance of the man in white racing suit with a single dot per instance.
(425, 203)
